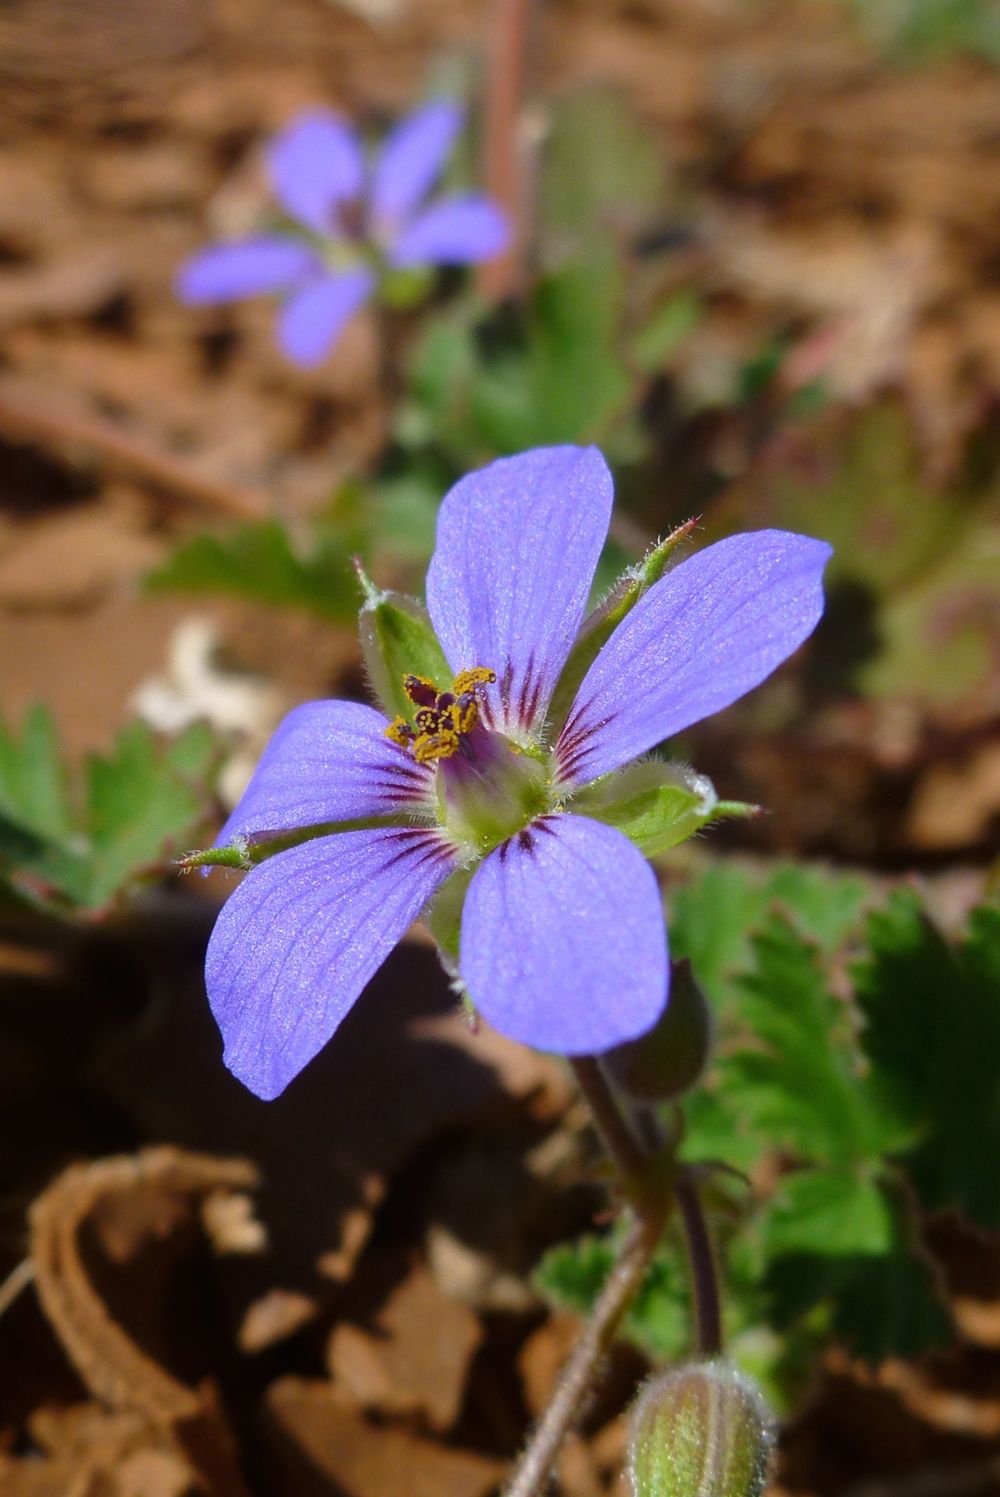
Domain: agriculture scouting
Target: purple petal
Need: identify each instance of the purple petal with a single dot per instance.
(563, 942)
(704, 636)
(314, 318)
(252, 267)
(327, 761)
(316, 163)
(296, 943)
(411, 159)
(457, 231)
(517, 544)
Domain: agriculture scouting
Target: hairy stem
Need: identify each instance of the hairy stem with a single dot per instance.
(630, 1158)
(649, 1210)
(704, 1269)
(576, 1379)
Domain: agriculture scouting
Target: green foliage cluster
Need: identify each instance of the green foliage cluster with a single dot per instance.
(856, 1085)
(65, 847)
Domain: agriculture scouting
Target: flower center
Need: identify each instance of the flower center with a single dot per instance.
(443, 718)
(487, 787)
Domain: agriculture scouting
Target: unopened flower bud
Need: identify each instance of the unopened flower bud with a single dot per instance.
(668, 1060)
(701, 1431)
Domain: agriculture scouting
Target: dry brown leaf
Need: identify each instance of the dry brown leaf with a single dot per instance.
(120, 1202)
(416, 1357)
(317, 1445)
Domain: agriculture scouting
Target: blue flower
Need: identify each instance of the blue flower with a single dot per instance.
(358, 224)
(482, 793)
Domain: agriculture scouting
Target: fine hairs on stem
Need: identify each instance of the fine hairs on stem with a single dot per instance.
(649, 1206)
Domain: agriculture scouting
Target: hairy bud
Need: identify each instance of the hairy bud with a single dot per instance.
(668, 1060)
(701, 1431)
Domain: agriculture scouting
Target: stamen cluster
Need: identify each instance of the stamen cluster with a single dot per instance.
(442, 718)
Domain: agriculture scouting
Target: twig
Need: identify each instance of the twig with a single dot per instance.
(16, 1282)
(32, 412)
(503, 150)
(576, 1379)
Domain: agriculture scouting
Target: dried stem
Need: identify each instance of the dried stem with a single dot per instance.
(29, 412)
(503, 152)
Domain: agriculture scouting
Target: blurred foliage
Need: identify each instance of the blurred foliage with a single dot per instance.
(913, 574)
(854, 1109)
(67, 847)
(923, 30)
(261, 562)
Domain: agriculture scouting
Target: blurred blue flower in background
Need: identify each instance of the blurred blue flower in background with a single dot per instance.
(361, 222)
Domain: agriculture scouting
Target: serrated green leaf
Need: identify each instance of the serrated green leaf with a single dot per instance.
(259, 562)
(34, 789)
(833, 1212)
(877, 1286)
(140, 801)
(932, 1033)
(713, 915)
(800, 1087)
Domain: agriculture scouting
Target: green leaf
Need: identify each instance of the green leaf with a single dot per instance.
(672, 322)
(33, 783)
(933, 1036)
(834, 1212)
(140, 801)
(564, 380)
(602, 168)
(259, 562)
(713, 915)
(797, 1083)
(846, 1243)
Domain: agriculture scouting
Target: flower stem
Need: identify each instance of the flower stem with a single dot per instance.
(704, 1269)
(630, 1158)
(576, 1379)
(649, 1208)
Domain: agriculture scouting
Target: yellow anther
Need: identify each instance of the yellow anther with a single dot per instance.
(479, 675)
(399, 731)
(441, 717)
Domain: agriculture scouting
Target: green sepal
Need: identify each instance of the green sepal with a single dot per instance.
(403, 289)
(599, 625)
(397, 639)
(247, 851)
(443, 916)
(657, 805)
